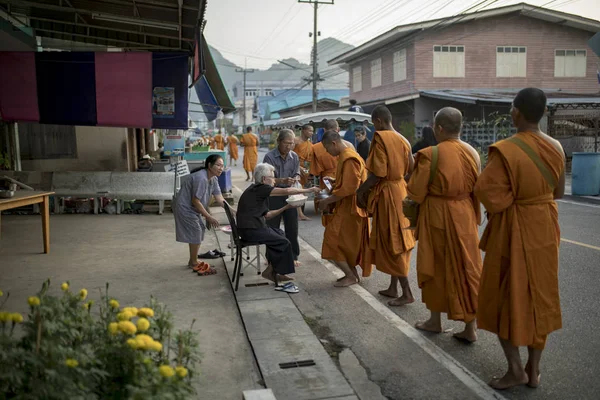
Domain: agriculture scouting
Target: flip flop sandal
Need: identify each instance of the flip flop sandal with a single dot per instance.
(206, 270)
(288, 288)
(219, 252)
(199, 266)
(209, 255)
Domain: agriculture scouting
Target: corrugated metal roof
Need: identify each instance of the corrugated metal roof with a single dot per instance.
(506, 96)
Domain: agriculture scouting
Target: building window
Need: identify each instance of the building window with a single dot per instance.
(448, 61)
(250, 93)
(357, 79)
(570, 63)
(511, 62)
(376, 72)
(268, 92)
(400, 65)
(47, 142)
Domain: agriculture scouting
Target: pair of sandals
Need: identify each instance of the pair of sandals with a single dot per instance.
(212, 254)
(289, 287)
(203, 269)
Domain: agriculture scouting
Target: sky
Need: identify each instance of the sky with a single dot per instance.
(259, 32)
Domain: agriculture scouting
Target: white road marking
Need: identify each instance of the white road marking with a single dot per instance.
(580, 244)
(578, 203)
(470, 380)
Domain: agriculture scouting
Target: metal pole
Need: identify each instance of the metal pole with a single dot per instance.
(15, 147)
(244, 71)
(315, 76)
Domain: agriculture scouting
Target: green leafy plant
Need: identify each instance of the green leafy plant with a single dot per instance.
(4, 161)
(67, 348)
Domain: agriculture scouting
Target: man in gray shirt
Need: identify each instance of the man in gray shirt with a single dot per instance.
(287, 173)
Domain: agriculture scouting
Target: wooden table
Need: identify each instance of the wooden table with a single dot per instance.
(28, 197)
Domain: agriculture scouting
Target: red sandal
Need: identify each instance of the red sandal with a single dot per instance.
(206, 270)
(199, 266)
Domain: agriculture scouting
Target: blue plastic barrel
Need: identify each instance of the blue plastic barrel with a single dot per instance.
(586, 174)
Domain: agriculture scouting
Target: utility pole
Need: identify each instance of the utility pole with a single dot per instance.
(315, 74)
(244, 71)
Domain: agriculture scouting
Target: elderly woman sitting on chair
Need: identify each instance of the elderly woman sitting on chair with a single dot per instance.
(252, 214)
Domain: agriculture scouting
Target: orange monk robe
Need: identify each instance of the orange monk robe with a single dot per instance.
(232, 142)
(390, 241)
(448, 257)
(323, 164)
(250, 143)
(305, 153)
(219, 142)
(348, 228)
(518, 296)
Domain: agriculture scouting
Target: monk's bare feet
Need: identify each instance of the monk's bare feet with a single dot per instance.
(355, 273)
(466, 336)
(429, 326)
(509, 380)
(297, 263)
(346, 281)
(393, 293)
(303, 217)
(284, 278)
(401, 301)
(534, 379)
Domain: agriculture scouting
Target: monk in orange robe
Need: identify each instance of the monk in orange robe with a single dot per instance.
(232, 143)
(390, 242)
(518, 296)
(250, 143)
(448, 257)
(305, 152)
(219, 142)
(348, 228)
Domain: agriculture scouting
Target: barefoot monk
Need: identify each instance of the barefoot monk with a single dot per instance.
(448, 257)
(304, 149)
(250, 143)
(518, 297)
(390, 242)
(346, 231)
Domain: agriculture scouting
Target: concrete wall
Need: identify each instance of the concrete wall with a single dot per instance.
(98, 149)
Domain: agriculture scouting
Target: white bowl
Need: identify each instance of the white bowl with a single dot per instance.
(297, 202)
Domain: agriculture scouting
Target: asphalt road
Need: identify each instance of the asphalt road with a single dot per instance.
(571, 361)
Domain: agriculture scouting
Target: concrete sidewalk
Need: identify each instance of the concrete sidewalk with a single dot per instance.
(138, 255)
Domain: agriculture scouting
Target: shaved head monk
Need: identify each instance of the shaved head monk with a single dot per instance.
(448, 257)
(346, 231)
(390, 242)
(304, 149)
(518, 296)
(332, 125)
(250, 143)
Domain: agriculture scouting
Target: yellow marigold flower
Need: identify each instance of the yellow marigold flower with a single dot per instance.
(132, 310)
(88, 305)
(83, 294)
(143, 324)
(69, 362)
(144, 341)
(33, 301)
(4, 316)
(145, 312)
(16, 318)
(181, 372)
(133, 344)
(64, 286)
(125, 316)
(113, 304)
(113, 328)
(155, 346)
(127, 327)
(166, 371)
